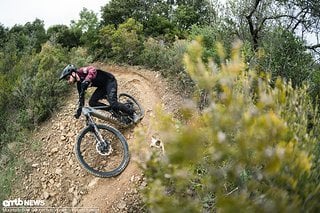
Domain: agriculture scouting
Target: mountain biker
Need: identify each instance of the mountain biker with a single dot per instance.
(105, 83)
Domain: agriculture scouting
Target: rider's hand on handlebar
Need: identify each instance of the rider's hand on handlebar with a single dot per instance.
(85, 85)
(78, 113)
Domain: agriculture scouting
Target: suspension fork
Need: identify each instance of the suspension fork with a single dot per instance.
(95, 129)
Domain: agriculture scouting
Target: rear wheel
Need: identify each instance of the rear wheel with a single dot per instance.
(131, 102)
(97, 162)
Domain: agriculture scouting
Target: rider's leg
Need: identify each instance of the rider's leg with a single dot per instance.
(112, 97)
(97, 95)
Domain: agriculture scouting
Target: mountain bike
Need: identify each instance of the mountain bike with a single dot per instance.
(119, 118)
(101, 149)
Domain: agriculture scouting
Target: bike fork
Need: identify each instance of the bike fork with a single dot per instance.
(103, 147)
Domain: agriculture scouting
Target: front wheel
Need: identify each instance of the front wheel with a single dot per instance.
(96, 163)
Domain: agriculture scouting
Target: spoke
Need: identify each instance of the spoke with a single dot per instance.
(94, 159)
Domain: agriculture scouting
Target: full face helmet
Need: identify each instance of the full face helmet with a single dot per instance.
(70, 68)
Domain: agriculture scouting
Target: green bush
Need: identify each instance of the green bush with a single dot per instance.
(283, 54)
(315, 85)
(37, 89)
(154, 54)
(80, 57)
(158, 55)
(47, 90)
(30, 91)
(124, 44)
(252, 149)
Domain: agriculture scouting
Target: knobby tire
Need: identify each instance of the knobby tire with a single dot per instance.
(120, 145)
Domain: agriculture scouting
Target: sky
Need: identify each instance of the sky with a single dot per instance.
(52, 12)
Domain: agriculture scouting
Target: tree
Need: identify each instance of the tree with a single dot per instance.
(18, 36)
(28, 37)
(193, 12)
(125, 43)
(271, 27)
(157, 21)
(63, 35)
(298, 16)
(164, 18)
(284, 54)
(36, 34)
(303, 16)
(117, 12)
(88, 25)
(3, 35)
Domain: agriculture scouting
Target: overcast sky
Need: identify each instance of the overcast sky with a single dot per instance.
(52, 12)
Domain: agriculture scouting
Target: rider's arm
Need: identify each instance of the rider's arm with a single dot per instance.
(89, 73)
(81, 92)
(92, 73)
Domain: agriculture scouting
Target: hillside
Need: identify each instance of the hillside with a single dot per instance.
(54, 173)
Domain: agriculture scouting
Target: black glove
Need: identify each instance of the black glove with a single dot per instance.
(84, 85)
(78, 113)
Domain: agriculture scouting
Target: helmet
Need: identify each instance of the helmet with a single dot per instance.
(70, 68)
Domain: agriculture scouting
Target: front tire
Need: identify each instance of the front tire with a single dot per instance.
(102, 165)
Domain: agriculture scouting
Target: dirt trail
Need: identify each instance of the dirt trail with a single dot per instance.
(55, 175)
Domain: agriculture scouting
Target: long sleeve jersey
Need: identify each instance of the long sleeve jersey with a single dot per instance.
(96, 78)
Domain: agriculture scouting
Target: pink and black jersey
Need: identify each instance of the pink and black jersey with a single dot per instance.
(97, 77)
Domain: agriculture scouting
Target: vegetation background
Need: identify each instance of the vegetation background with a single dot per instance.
(249, 141)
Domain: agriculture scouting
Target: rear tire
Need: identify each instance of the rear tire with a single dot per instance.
(124, 97)
(97, 164)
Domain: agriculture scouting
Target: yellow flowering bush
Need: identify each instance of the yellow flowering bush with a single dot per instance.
(253, 147)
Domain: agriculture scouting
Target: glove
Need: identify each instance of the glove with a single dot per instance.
(84, 85)
(78, 113)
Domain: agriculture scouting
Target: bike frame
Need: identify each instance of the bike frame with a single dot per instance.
(88, 113)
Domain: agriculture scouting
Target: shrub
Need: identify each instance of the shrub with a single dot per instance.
(249, 150)
(122, 44)
(80, 57)
(283, 54)
(47, 89)
(158, 55)
(154, 54)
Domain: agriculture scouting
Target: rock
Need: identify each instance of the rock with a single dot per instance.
(93, 182)
(70, 134)
(144, 184)
(51, 181)
(71, 189)
(74, 201)
(54, 150)
(121, 205)
(46, 195)
(35, 165)
(71, 162)
(45, 163)
(58, 171)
